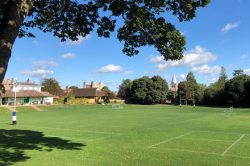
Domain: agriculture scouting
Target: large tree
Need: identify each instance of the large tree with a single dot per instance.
(52, 86)
(147, 90)
(124, 90)
(143, 22)
(235, 92)
(214, 93)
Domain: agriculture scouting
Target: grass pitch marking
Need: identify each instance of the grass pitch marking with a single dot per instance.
(200, 152)
(171, 139)
(210, 140)
(234, 143)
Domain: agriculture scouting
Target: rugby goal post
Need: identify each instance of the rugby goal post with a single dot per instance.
(117, 106)
(230, 109)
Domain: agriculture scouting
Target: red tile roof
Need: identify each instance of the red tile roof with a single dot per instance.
(26, 93)
(88, 92)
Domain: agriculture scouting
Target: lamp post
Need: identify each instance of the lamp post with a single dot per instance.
(14, 107)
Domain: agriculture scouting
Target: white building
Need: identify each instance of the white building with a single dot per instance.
(26, 93)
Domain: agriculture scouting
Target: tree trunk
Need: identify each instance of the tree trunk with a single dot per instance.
(16, 12)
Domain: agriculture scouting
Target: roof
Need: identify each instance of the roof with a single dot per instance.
(26, 84)
(26, 93)
(174, 81)
(88, 92)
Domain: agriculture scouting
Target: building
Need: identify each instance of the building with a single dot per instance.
(26, 93)
(92, 92)
(93, 84)
(174, 84)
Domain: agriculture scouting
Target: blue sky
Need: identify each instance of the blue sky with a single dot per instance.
(218, 36)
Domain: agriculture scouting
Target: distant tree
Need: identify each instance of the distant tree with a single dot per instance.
(110, 94)
(192, 86)
(247, 93)
(70, 96)
(143, 22)
(106, 89)
(199, 95)
(235, 92)
(73, 87)
(223, 77)
(171, 96)
(52, 86)
(140, 90)
(159, 89)
(214, 94)
(124, 90)
(147, 90)
(238, 72)
(183, 90)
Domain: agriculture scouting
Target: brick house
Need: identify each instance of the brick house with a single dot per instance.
(93, 94)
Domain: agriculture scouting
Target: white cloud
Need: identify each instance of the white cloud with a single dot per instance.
(157, 59)
(127, 72)
(207, 70)
(69, 56)
(80, 40)
(230, 26)
(247, 71)
(44, 64)
(192, 58)
(110, 69)
(41, 69)
(182, 77)
(243, 56)
(41, 73)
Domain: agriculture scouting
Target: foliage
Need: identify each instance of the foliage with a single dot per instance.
(110, 94)
(143, 21)
(52, 86)
(73, 87)
(237, 72)
(124, 90)
(214, 94)
(106, 89)
(144, 90)
(70, 95)
(189, 88)
(235, 91)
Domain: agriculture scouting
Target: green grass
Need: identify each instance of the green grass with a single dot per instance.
(136, 135)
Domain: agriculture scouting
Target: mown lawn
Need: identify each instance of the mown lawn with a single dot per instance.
(135, 135)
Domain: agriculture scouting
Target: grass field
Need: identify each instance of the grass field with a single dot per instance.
(135, 135)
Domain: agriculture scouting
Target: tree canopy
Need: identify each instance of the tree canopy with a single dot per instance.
(52, 86)
(144, 22)
(144, 90)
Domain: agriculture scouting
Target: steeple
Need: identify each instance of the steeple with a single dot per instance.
(174, 80)
(174, 84)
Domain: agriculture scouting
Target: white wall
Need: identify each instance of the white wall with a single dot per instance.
(48, 100)
(22, 87)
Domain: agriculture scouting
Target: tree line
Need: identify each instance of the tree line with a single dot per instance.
(224, 92)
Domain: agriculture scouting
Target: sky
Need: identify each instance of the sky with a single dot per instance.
(218, 36)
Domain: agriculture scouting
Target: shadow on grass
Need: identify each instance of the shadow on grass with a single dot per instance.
(13, 144)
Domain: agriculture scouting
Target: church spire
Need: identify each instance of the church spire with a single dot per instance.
(174, 80)
(174, 84)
